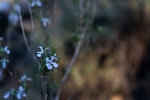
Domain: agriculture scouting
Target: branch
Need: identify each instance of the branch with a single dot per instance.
(83, 32)
(23, 33)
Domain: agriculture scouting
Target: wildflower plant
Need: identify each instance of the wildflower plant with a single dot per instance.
(17, 94)
(48, 60)
(4, 52)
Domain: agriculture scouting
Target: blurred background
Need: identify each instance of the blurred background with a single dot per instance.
(113, 62)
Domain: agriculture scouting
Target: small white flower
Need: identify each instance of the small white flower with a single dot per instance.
(6, 50)
(54, 64)
(18, 95)
(36, 3)
(16, 7)
(13, 18)
(40, 53)
(7, 94)
(4, 63)
(49, 63)
(24, 95)
(21, 89)
(49, 66)
(1, 38)
(29, 79)
(23, 77)
(46, 21)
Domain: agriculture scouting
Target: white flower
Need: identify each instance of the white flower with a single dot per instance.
(1, 38)
(46, 21)
(13, 18)
(23, 77)
(49, 66)
(24, 95)
(50, 63)
(36, 3)
(18, 95)
(16, 7)
(40, 53)
(7, 94)
(21, 89)
(6, 50)
(4, 63)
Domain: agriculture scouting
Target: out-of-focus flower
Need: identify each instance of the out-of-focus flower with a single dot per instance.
(21, 89)
(4, 7)
(13, 18)
(24, 95)
(1, 38)
(40, 53)
(6, 95)
(6, 50)
(4, 63)
(36, 3)
(25, 78)
(45, 22)
(18, 95)
(16, 7)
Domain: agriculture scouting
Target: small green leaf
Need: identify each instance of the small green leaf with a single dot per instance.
(58, 59)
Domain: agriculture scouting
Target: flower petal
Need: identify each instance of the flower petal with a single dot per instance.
(38, 3)
(54, 64)
(49, 66)
(33, 4)
(39, 55)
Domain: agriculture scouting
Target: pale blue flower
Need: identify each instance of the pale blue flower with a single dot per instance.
(6, 50)
(4, 63)
(36, 3)
(24, 95)
(40, 53)
(50, 63)
(21, 89)
(23, 77)
(7, 95)
(45, 22)
(18, 95)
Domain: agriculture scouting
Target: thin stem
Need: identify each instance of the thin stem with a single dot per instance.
(83, 32)
(24, 36)
(45, 87)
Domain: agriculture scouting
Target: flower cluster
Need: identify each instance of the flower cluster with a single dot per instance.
(48, 60)
(4, 51)
(21, 92)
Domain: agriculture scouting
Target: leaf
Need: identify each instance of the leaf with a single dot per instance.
(58, 59)
(53, 50)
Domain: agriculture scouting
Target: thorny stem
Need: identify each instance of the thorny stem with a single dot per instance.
(83, 32)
